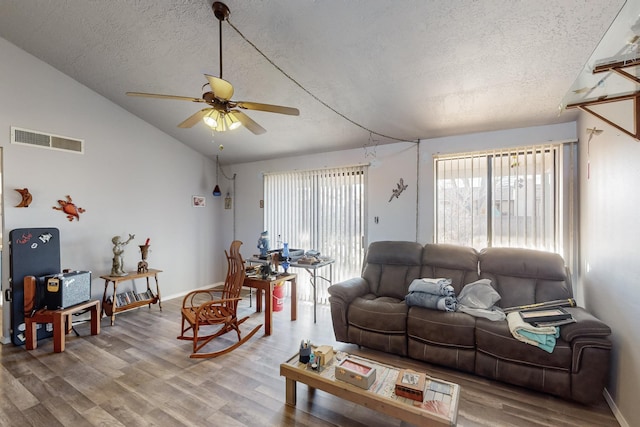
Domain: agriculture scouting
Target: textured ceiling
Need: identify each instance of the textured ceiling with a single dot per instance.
(407, 69)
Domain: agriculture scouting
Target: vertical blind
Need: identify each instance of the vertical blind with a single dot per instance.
(510, 197)
(322, 210)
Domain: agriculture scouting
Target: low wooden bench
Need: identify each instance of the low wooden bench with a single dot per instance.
(61, 319)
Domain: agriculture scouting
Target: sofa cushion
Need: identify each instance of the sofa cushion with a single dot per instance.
(525, 276)
(379, 314)
(458, 263)
(440, 327)
(391, 266)
(495, 339)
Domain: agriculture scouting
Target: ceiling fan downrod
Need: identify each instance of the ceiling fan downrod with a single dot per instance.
(221, 12)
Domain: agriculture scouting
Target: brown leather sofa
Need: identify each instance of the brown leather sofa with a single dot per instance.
(370, 311)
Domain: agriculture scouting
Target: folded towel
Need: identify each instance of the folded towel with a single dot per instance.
(434, 302)
(433, 286)
(543, 337)
(494, 313)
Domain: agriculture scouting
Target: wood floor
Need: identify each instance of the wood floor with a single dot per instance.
(136, 373)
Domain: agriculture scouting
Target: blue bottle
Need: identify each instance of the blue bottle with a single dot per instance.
(285, 256)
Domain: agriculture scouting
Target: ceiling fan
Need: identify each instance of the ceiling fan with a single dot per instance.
(222, 113)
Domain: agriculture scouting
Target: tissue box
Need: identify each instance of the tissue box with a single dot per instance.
(356, 373)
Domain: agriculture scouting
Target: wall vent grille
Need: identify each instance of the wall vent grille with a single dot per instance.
(46, 140)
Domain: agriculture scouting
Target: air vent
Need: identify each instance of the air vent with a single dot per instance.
(46, 140)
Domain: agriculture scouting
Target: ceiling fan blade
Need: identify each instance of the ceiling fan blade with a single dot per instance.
(222, 89)
(195, 118)
(268, 107)
(248, 122)
(157, 95)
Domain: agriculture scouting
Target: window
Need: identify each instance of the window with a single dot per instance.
(322, 210)
(520, 197)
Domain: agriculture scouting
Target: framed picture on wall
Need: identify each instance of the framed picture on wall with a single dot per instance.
(198, 201)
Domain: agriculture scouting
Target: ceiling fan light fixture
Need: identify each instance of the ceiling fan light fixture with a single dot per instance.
(220, 116)
(222, 123)
(212, 119)
(232, 121)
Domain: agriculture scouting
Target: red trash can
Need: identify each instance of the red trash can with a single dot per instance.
(278, 296)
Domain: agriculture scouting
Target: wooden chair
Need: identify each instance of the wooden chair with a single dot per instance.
(208, 314)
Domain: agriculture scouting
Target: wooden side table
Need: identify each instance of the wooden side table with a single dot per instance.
(267, 285)
(110, 305)
(61, 318)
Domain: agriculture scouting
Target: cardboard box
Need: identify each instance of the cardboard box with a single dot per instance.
(356, 373)
(410, 384)
(323, 354)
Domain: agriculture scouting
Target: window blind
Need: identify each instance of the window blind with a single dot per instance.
(319, 209)
(513, 197)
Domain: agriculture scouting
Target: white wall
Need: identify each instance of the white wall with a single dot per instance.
(610, 232)
(131, 179)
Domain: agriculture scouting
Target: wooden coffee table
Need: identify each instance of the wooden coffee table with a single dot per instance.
(438, 409)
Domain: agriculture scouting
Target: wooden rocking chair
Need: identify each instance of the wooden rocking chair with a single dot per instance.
(210, 313)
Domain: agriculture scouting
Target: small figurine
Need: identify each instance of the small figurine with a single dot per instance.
(143, 266)
(263, 243)
(69, 208)
(26, 197)
(118, 249)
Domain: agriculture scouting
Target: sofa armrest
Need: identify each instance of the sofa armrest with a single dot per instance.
(591, 355)
(341, 296)
(350, 289)
(586, 325)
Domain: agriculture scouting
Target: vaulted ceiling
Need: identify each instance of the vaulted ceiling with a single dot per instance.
(356, 70)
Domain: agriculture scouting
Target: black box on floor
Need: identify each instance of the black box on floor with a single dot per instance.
(66, 289)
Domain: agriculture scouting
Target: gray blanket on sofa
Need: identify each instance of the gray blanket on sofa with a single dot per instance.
(441, 287)
(434, 302)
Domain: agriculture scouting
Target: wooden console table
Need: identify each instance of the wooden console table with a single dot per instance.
(267, 285)
(110, 304)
